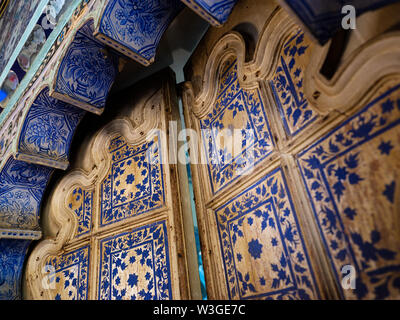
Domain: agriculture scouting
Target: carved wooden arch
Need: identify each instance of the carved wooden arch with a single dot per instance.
(62, 223)
(367, 66)
(199, 103)
(275, 34)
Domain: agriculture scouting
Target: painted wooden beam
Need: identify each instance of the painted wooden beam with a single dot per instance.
(216, 12)
(135, 28)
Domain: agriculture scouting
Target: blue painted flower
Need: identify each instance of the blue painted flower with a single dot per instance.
(138, 19)
(130, 178)
(255, 248)
(132, 280)
(385, 147)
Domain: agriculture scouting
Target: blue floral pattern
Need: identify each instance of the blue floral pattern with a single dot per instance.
(86, 72)
(12, 257)
(275, 264)
(134, 185)
(350, 179)
(288, 85)
(135, 265)
(71, 275)
(21, 189)
(137, 25)
(235, 109)
(48, 128)
(81, 203)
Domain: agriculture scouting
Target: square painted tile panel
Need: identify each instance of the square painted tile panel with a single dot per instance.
(262, 245)
(134, 184)
(135, 265)
(241, 113)
(352, 176)
(71, 275)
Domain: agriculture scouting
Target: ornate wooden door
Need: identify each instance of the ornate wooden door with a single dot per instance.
(306, 196)
(114, 223)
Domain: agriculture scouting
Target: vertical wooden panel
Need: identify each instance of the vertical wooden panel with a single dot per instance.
(118, 232)
(322, 193)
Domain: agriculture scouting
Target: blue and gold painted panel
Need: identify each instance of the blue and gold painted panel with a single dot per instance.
(134, 183)
(48, 130)
(216, 12)
(86, 72)
(235, 109)
(352, 177)
(12, 257)
(323, 18)
(288, 84)
(80, 202)
(135, 265)
(262, 245)
(21, 189)
(134, 28)
(70, 275)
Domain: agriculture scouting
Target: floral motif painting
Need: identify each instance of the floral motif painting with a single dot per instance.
(48, 129)
(216, 12)
(69, 274)
(21, 189)
(134, 184)
(288, 84)
(352, 179)
(87, 71)
(235, 110)
(262, 245)
(80, 202)
(135, 265)
(137, 26)
(12, 257)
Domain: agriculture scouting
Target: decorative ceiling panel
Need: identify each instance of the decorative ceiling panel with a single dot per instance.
(13, 24)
